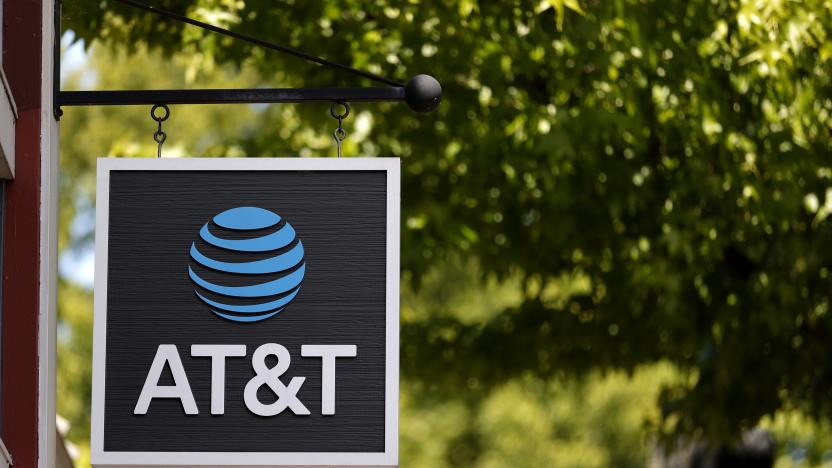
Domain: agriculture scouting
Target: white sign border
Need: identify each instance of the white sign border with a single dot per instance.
(103, 459)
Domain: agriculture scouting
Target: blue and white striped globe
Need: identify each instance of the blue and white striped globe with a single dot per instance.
(259, 298)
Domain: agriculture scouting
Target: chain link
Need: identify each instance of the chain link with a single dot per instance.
(159, 136)
(339, 134)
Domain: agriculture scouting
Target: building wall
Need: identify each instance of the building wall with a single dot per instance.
(28, 250)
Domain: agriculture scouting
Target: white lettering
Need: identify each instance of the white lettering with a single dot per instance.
(286, 394)
(218, 354)
(180, 389)
(328, 353)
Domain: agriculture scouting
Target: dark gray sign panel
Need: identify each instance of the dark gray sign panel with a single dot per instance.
(246, 312)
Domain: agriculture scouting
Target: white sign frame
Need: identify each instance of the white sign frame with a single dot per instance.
(105, 459)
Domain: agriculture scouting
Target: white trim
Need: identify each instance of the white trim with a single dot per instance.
(8, 91)
(104, 459)
(48, 260)
(250, 164)
(8, 118)
(215, 465)
(6, 461)
(391, 407)
(99, 338)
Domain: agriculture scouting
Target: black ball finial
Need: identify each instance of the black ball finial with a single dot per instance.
(423, 93)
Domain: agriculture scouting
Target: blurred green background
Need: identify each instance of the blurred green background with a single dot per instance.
(614, 228)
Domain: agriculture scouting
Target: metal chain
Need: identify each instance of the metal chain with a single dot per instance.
(339, 134)
(159, 136)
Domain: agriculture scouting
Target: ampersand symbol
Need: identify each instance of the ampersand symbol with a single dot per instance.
(286, 394)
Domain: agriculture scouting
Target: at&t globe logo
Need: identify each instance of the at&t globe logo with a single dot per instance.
(265, 282)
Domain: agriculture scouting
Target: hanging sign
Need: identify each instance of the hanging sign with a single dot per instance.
(246, 312)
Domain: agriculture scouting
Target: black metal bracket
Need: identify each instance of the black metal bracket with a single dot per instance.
(422, 93)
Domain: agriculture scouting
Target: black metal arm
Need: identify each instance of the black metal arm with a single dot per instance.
(422, 93)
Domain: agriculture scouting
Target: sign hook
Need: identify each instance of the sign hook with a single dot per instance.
(339, 134)
(159, 136)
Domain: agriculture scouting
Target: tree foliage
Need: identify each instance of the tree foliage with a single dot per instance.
(654, 174)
